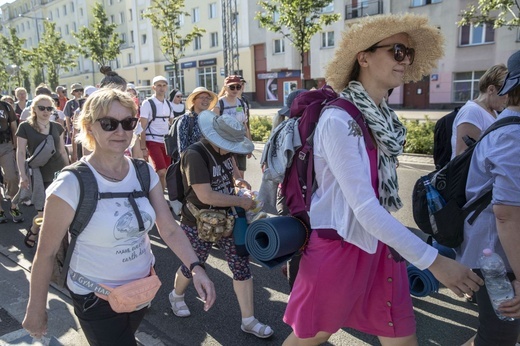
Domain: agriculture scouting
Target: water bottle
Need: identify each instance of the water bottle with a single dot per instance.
(239, 232)
(435, 202)
(497, 284)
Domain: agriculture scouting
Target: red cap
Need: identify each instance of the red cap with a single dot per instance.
(232, 80)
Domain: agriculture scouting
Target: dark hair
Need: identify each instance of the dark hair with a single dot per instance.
(513, 97)
(43, 89)
(111, 79)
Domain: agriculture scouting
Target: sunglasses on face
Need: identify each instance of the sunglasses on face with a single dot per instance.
(43, 108)
(400, 51)
(233, 87)
(110, 124)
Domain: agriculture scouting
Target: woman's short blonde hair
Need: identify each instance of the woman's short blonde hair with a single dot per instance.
(97, 106)
(495, 75)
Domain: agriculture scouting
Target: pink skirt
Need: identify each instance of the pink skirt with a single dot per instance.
(339, 285)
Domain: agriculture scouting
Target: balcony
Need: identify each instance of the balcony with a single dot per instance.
(364, 8)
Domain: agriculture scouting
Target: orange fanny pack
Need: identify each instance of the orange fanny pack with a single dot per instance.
(132, 296)
(129, 297)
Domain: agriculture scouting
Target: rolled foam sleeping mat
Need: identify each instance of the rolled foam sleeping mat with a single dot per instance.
(272, 241)
(422, 282)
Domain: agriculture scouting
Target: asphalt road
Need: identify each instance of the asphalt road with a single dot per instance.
(442, 319)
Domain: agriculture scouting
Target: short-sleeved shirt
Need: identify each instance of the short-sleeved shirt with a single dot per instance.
(156, 129)
(7, 117)
(470, 113)
(494, 165)
(34, 138)
(218, 173)
(238, 110)
(111, 250)
(70, 108)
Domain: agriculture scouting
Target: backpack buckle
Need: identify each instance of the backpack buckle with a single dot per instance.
(302, 156)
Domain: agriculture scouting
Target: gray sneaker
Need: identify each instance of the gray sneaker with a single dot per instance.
(16, 215)
(3, 218)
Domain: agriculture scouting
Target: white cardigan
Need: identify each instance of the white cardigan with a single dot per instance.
(345, 200)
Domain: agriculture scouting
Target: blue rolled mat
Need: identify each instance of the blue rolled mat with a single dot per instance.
(272, 241)
(422, 282)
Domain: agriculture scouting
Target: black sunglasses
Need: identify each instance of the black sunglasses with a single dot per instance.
(81, 90)
(233, 87)
(43, 108)
(400, 51)
(110, 124)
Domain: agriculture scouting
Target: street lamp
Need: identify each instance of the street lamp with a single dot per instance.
(12, 70)
(37, 33)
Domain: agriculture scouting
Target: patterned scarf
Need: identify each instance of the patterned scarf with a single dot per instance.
(189, 131)
(390, 135)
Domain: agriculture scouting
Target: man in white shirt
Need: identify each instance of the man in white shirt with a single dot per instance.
(156, 116)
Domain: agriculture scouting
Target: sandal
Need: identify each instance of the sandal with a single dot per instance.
(179, 307)
(33, 232)
(30, 243)
(250, 328)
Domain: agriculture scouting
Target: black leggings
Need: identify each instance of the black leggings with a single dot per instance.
(102, 325)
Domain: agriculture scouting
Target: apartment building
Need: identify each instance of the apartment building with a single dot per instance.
(268, 62)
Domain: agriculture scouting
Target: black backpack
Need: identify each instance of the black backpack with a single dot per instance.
(450, 182)
(174, 175)
(88, 199)
(442, 139)
(170, 140)
(5, 134)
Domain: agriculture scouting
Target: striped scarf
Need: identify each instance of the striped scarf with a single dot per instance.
(389, 134)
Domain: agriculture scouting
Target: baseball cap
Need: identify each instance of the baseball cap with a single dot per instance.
(232, 80)
(159, 79)
(76, 86)
(286, 110)
(89, 90)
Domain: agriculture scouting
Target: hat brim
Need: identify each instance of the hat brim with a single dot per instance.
(285, 111)
(205, 120)
(510, 83)
(191, 97)
(426, 39)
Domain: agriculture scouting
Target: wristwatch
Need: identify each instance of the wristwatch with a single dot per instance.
(198, 263)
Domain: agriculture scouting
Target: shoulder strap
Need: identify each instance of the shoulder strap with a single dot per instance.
(154, 110)
(221, 106)
(143, 174)
(88, 198)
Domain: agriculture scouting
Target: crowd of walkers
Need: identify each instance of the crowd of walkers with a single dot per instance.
(352, 272)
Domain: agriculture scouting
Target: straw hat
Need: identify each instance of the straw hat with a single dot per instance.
(196, 92)
(426, 39)
(225, 132)
(513, 77)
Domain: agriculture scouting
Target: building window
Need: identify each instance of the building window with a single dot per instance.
(416, 3)
(279, 46)
(81, 12)
(465, 85)
(112, 18)
(181, 19)
(50, 15)
(208, 77)
(123, 37)
(129, 58)
(64, 10)
(111, 2)
(143, 39)
(57, 13)
(74, 27)
(121, 17)
(213, 10)
(67, 32)
(141, 14)
(196, 43)
(177, 83)
(131, 36)
(474, 35)
(72, 7)
(214, 39)
(327, 39)
(195, 15)
(328, 8)
(130, 15)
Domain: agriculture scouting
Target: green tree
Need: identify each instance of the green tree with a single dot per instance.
(13, 53)
(100, 43)
(296, 20)
(502, 13)
(165, 18)
(54, 54)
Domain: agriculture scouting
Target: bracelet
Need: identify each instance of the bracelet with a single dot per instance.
(198, 263)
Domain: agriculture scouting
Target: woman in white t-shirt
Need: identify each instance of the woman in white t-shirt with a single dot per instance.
(229, 103)
(477, 115)
(112, 249)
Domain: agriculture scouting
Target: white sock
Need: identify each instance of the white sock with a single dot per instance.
(256, 328)
(175, 295)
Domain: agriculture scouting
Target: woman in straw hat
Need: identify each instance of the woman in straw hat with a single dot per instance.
(352, 273)
(208, 170)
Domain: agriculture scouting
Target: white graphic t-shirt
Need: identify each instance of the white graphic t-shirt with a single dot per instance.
(110, 250)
